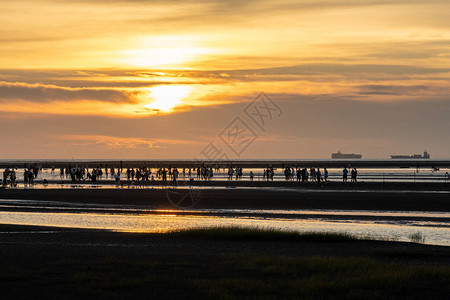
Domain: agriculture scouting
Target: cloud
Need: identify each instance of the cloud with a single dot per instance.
(310, 69)
(126, 92)
(47, 93)
(393, 89)
(105, 84)
(108, 141)
(116, 142)
(321, 68)
(140, 16)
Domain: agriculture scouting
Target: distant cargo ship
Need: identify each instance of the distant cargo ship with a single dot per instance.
(414, 156)
(340, 155)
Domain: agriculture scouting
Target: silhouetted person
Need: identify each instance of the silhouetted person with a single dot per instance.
(117, 178)
(164, 175)
(344, 175)
(354, 173)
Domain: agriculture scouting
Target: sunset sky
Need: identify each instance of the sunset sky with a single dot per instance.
(154, 79)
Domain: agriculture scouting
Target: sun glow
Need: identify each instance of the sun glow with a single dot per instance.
(165, 51)
(154, 57)
(166, 97)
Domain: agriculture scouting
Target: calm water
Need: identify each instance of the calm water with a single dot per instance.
(434, 226)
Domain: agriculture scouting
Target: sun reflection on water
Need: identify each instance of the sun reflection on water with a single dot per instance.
(435, 232)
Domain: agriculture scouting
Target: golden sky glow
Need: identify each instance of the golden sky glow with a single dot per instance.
(146, 60)
(166, 97)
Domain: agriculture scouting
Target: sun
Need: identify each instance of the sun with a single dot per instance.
(165, 97)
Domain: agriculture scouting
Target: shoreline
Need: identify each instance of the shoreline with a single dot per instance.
(324, 185)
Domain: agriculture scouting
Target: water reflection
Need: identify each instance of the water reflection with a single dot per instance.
(400, 225)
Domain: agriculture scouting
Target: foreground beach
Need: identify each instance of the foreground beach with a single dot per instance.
(40, 262)
(222, 263)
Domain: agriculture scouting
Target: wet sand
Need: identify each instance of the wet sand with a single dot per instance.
(361, 196)
(329, 185)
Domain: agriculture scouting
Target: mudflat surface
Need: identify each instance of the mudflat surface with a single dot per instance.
(336, 196)
(42, 262)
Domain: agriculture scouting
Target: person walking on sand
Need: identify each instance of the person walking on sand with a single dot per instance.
(5, 177)
(353, 175)
(175, 175)
(344, 174)
(30, 177)
(12, 175)
(318, 176)
(164, 175)
(117, 178)
(128, 174)
(25, 178)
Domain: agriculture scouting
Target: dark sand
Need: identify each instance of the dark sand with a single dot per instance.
(361, 196)
(73, 264)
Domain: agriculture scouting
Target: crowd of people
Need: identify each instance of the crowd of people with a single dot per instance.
(237, 171)
(144, 174)
(10, 176)
(353, 175)
(303, 174)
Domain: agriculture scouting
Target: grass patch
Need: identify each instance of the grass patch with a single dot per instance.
(262, 234)
(268, 277)
(417, 238)
(15, 275)
(243, 276)
(113, 277)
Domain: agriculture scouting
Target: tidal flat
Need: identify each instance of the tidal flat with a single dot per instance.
(216, 263)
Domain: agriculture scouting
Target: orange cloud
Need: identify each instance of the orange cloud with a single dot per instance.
(119, 142)
(38, 92)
